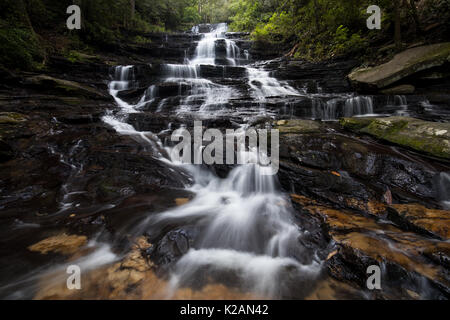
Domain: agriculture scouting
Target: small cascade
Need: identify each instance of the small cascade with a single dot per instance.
(358, 106)
(326, 111)
(400, 100)
(263, 86)
(206, 51)
(401, 106)
(443, 189)
(245, 221)
(123, 80)
(176, 72)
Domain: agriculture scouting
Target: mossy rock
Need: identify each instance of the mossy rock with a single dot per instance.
(11, 118)
(298, 126)
(432, 138)
(402, 65)
(355, 124)
(64, 86)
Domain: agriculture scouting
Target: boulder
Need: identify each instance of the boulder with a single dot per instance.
(63, 243)
(402, 65)
(362, 241)
(399, 90)
(432, 138)
(64, 86)
(298, 126)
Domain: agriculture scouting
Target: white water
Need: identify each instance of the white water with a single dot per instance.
(213, 95)
(246, 224)
(444, 189)
(358, 106)
(342, 107)
(205, 52)
(264, 86)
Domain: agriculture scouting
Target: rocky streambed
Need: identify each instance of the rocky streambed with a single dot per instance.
(87, 178)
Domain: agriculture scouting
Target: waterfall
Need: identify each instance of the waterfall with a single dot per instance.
(264, 86)
(244, 218)
(443, 189)
(358, 106)
(205, 52)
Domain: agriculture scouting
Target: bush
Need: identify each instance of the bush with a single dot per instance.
(345, 44)
(19, 48)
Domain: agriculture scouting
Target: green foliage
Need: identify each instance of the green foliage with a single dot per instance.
(317, 29)
(279, 28)
(343, 43)
(19, 48)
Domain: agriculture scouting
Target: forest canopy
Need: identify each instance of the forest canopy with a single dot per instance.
(311, 29)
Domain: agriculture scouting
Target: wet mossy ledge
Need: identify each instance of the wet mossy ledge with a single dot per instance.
(409, 62)
(431, 138)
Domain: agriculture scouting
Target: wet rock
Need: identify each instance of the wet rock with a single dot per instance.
(171, 247)
(363, 241)
(11, 118)
(331, 289)
(316, 161)
(399, 90)
(315, 75)
(130, 278)
(211, 71)
(298, 126)
(423, 136)
(181, 201)
(64, 87)
(63, 243)
(419, 218)
(402, 65)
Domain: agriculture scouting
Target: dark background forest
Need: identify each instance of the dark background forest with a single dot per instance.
(31, 30)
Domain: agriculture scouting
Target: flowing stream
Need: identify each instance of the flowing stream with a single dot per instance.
(245, 221)
(234, 227)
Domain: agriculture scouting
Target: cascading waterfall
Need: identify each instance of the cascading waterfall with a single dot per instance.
(247, 226)
(264, 86)
(358, 106)
(335, 108)
(212, 94)
(245, 221)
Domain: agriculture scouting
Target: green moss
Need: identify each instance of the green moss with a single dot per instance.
(11, 117)
(423, 136)
(298, 126)
(19, 48)
(384, 128)
(354, 124)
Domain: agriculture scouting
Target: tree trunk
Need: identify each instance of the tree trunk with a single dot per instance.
(412, 4)
(133, 9)
(398, 31)
(316, 15)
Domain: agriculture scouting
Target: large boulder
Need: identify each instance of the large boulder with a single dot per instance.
(401, 66)
(349, 171)
(409, 260)
(64, 87)
(432, 138)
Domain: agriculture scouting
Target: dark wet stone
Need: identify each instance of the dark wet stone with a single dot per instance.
(171, 247)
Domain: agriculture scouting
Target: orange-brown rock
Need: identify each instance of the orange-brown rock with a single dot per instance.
(431, 220)
(62, 243)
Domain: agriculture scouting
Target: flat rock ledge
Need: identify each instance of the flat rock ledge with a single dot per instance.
(432, 138)
(404, 64)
